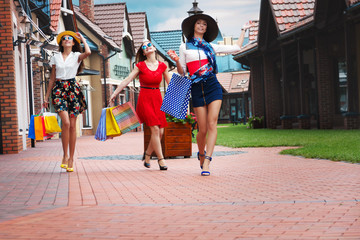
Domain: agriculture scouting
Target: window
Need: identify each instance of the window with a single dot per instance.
(342, 96)
(122, 98)
(116, 102)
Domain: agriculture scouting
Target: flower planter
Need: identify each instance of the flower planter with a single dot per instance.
(175, 142)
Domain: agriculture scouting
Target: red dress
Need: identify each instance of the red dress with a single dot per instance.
(150, 100)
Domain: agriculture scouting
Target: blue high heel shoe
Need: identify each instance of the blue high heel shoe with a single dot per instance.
(201, 155)
(206, 173)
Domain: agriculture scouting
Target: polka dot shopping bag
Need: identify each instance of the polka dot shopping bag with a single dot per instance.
(177, 96)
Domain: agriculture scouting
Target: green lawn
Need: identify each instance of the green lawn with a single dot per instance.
(337, 145)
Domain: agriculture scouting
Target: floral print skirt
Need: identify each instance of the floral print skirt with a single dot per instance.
(67, 96)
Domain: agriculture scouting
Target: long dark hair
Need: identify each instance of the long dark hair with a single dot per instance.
(75, 48)
(140, 56)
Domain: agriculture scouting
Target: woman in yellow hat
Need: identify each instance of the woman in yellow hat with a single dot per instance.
(198, 57)
(66, 94)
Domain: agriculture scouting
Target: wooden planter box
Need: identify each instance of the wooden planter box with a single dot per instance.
(175, 142)
(257, 124)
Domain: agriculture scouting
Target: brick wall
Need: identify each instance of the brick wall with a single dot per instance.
(105, 52)
(37, 78)
(11, 140)
(87, 8)
(272, 94)
(352, 122)
(325, 84)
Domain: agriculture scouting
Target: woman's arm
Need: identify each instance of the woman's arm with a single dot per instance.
(240, 41)
(180, 61)
(167, 75)
(87, 52)
(50, 86)
(176, 59)
(124, 83)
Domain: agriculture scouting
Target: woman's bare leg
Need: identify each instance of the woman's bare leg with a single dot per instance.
(72, 141)
(65, 135)
(155, 144)
(212, 120)
(201, 116)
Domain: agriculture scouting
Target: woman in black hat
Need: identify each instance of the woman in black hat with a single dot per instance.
(197, 56)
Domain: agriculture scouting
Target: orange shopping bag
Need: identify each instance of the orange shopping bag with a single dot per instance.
(39, 128)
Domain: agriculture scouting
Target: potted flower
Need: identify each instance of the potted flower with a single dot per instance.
(190, 118)
(177, 138)
(256, 122)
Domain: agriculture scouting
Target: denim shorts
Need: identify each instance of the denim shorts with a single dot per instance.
(67, 96)
(205, 92)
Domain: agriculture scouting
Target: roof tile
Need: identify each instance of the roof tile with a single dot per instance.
(168, 39)
(138, 24)
(94, 27)
(55, 8)
(289, 12)
(352, 2)
(110, 18)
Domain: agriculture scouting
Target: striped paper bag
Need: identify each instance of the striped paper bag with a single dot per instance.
(126, 117)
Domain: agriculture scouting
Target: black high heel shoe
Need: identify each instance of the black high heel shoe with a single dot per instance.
(201, 155)
(206, 173)
(147, 165)
(162, 167)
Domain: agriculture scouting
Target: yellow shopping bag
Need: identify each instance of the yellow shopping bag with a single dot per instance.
(112, 128)
(51, 124)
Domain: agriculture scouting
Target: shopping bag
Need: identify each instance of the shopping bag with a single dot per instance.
(46, 135)
(31, 133)
(51, 123)
(177, 96)
(101, 128)
(126, 117)
(39, 128)
(112, 128)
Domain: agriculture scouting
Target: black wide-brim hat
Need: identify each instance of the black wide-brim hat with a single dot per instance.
(212, 29)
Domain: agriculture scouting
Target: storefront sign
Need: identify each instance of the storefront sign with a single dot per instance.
(121, 71)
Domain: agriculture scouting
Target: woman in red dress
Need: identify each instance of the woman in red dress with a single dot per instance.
(150, 72)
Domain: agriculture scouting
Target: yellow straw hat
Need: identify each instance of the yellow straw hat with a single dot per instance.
(70, 33)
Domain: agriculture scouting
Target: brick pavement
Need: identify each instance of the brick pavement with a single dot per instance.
(252, 193)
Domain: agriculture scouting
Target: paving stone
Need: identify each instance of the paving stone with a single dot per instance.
(252, 193)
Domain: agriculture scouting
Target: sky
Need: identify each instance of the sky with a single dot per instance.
(168, 14)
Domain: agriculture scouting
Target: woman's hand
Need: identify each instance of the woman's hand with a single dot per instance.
(45, 104)
(247, 25)
(112, 100)
(173, 55)
(81, 37)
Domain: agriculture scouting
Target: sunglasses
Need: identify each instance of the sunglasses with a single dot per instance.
(67, 38)
(144, 47)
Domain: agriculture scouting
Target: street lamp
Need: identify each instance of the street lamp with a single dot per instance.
(23, 38)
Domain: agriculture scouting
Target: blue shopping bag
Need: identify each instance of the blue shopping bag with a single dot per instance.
(31, 133)
(101, 128)
(177, 96)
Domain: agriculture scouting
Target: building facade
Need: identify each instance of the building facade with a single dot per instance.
(304, 64)
(27, 40)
